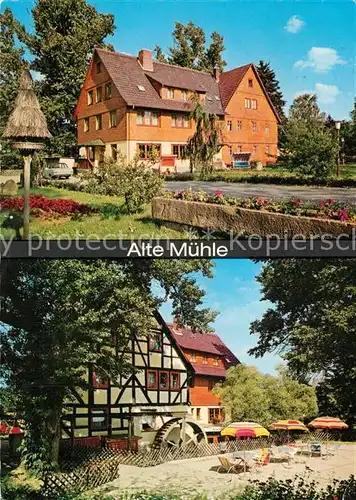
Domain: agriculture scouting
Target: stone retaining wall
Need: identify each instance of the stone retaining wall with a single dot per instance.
(226, 218)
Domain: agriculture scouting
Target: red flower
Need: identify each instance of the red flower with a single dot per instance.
(321, 204)
(330, 202)
(218, 193)
(343, 215)
(37, 201)
(296, 203)
(261, 201)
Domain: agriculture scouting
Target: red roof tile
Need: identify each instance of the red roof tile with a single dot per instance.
(214, 371)
(127, 74)
(209, 343)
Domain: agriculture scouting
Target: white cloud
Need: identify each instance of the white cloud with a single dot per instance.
(294, 24)
(320, 59)
(326, 94)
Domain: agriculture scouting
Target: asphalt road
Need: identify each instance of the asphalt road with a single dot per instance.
(268, 191)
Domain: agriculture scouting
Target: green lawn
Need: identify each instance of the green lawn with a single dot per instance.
(124, 226)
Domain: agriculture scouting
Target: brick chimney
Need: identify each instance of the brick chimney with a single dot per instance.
(145, 59)
(216, 73)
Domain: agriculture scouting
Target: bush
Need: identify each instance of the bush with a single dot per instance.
(136, 182)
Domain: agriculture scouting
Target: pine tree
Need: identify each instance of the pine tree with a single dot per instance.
(272, 87)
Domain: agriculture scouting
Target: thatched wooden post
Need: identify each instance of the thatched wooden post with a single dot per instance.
(26, 124)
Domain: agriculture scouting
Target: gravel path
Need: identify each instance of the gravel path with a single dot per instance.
(188, 478)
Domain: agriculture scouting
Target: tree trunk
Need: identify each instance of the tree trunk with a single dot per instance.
(54, 432)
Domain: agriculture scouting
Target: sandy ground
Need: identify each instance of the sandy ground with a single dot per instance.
(188, 478)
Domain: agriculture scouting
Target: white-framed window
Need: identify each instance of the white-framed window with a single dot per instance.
(267, 128)
(253, 103)
(229, 125)
(148, 118)
(113, 118)
(90, 97)
(254, 149)
(145, 151)
(170, 93)
(99, 122)
(86, 124)
(267, 150)
(178, 150)
(239, 125)
(184, 95)
(247, 103)
(99, 94)
(180, 120)
(108, 90)
(254, 126)
(114, 151)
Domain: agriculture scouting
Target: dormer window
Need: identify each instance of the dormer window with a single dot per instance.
(141, 88)
(184, 95)
(170, 93)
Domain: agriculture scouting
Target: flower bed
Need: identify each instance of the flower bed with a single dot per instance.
(39, 205)
(255, 216)
(328, 209)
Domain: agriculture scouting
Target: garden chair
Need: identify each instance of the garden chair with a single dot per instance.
(227, 466)
(281, 456)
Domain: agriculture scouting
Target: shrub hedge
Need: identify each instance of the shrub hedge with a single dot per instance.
(281, 178)
(299, 488)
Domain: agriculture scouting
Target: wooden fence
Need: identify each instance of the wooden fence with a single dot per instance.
(85, 467)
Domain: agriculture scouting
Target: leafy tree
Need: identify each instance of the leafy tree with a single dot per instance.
(63, 316)
(305, 109)
(271, 84)
(65, 34)
(206, 141)
(348, 134)
(159, 55)
(135, 181)
(313, 325)
(250, 395)
(310, 147)
(11, 65)
(213, 54)
(189, 49)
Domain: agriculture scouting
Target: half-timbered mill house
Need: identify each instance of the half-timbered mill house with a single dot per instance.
(209, 358)
(136, 105)
(150, 406)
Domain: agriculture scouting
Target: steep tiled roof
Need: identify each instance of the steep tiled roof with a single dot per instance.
(209, 343)
(127, 75)
(229, 81)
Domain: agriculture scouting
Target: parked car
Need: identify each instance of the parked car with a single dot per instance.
(57, 171)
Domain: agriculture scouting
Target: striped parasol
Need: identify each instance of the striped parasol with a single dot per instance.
(288, 425)
(328, 423)
(245, 430)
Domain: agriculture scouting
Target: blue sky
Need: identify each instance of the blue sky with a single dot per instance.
(311, 45)
(235, 294)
